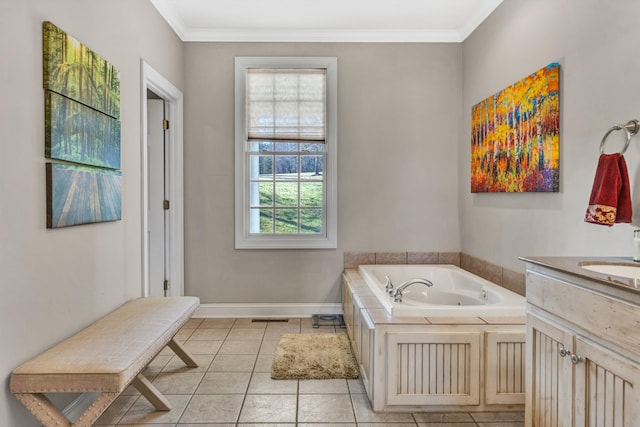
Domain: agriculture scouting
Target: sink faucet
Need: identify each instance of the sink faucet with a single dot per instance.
(397, 293)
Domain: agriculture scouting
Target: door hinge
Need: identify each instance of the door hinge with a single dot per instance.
(166, 285)
(165, 124)
(165, 205)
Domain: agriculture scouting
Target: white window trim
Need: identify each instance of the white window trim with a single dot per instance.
(245, 240)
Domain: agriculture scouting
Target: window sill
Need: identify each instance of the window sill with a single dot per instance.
(285, 243)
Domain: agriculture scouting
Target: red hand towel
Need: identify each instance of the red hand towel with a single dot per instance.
(610, 200)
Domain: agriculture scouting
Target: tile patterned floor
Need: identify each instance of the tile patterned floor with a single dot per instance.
(233, 387)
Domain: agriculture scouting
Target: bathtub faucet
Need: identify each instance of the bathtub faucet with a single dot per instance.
(388, 286)
(397, 293)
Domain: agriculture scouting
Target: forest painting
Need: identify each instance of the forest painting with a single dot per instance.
(515, 136)
(82, 108)
(79, 134)
(82, 195)
(73, 70)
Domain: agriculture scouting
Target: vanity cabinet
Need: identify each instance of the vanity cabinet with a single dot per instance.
(582, 351)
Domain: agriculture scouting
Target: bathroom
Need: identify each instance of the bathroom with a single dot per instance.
(403, 165)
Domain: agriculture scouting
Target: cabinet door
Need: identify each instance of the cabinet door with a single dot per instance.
(548, 400)
(433, 368)
(607, 387)
(504, 367)
(356, 342)
(367, 352)
(347, 308)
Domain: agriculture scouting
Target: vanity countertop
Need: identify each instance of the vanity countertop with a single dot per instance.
(571, 265)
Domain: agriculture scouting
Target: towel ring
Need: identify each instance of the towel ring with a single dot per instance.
(631, 128)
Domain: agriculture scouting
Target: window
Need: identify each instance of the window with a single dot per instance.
(285, 153)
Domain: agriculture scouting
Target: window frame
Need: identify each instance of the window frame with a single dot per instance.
(243, 238)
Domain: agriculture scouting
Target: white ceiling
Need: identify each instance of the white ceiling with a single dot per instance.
(325, 20)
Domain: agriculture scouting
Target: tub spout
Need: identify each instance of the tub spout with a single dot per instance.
(397, 293)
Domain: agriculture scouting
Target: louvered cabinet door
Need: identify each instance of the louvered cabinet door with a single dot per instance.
(347, 308)
(549, 375)
(367, 352)
(356, 342)
(504, 367)
(433, 368)
(607, 387)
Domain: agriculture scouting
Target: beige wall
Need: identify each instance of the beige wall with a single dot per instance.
(398, 121)
(599, 88)
(404, 114)
(54, 282)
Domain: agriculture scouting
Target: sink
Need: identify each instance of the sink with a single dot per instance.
(631, 271)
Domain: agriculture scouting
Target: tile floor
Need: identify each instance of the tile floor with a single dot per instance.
(233, 387)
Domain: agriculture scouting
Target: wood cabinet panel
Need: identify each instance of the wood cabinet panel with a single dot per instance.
(583, 355)
(433, 368)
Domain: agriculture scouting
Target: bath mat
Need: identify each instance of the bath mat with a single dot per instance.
(313, 357)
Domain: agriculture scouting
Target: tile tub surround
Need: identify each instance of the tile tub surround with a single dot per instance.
(233, 387)
(506, 278)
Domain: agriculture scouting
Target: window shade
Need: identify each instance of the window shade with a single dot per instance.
(286, 104)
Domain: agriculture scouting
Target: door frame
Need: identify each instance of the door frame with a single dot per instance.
(154, 81)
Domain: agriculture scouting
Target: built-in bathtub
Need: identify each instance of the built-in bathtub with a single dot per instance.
(455, 292)
(458, 345)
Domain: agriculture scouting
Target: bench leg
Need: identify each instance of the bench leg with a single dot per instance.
(42, 408)
(93, 412)
(152, 394)
(182, 353)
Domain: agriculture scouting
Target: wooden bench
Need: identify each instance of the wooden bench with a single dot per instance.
(105, 358)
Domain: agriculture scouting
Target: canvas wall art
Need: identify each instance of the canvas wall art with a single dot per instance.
(76, 72)
(515, 136)
(82, 195)
(77, 133)
(82, 127)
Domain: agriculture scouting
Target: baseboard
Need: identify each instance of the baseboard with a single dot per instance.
(266, 310)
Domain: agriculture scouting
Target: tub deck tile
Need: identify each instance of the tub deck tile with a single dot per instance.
(504, 320)
(445, 320)
(381, 316)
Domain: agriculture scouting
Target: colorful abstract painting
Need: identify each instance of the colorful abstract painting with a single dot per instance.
(82, 195)
(515, 136)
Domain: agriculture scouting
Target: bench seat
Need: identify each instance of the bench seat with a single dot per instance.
(105, 357)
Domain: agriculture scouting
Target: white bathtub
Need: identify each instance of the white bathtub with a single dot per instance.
(455, 292)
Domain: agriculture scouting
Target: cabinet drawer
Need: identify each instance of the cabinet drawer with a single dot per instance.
(614, 320)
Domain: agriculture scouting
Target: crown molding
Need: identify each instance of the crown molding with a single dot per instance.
(322, 36)
(171, 15)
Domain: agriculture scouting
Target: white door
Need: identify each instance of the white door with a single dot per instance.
(162, 178)
(158, 216)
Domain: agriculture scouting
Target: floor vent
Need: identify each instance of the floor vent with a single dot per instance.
(269, 320)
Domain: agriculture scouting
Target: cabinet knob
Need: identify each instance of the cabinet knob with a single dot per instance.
(575, 359)
(563, 351)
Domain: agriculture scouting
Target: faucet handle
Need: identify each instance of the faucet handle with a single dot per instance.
(388, 286)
